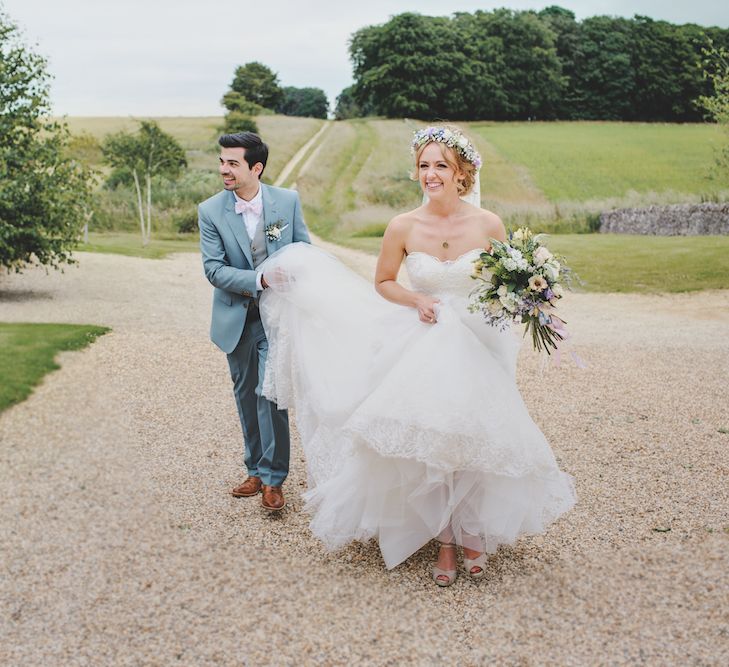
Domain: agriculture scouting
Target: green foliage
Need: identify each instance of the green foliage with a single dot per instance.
(44, 194)
(347, 105)
(716, 105)
(257, 83)
(505, 64)
(28, 351)
(307, 102)
(234, 101)
(185, 222)
(237, 121)
(148, 154)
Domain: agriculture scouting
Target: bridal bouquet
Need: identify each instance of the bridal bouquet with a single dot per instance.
(521, 281)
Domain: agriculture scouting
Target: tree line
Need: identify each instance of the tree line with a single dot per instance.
(517, 65)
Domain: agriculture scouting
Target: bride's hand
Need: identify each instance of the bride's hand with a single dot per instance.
(426, 306)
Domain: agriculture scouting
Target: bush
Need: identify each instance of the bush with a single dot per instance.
(235, 121)
(185, 222)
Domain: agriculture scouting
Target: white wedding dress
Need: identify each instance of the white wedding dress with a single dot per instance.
(411, 431)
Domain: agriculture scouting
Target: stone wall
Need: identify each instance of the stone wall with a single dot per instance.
(675, 220)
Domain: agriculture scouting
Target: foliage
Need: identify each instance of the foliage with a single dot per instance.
(307, 102)
(234, 101)
(257, 83)
(44, 194)
(505, 64)
(149, 153)
(716, 105)
(347, 105)
(185, 222)
(27, 353)
(237, 121)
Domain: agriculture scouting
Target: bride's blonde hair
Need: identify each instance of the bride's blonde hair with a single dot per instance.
(454, 155)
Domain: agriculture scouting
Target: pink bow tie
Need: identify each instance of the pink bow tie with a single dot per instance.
(254, 207)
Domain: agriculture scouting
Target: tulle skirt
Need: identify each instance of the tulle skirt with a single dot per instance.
(411, 431)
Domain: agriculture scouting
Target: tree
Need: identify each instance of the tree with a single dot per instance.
(716, 105)
(43, 191)
(603, 84)
(149, 153)
(309, 102)
(258, 84)
(234, 101)
(347, 106)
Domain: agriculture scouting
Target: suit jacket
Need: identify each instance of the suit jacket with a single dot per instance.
(226, 254)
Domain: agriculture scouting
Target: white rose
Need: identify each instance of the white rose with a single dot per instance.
(502, 291)
(541, 255)
(508, 303)
(495, 308)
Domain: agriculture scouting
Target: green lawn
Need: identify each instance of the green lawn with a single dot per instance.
(123, 243)
(625, 263)
(28, 351)
(581, 161)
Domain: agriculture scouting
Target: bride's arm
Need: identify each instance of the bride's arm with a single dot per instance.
(388, 265)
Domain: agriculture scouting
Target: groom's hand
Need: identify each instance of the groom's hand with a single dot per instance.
(277, 278)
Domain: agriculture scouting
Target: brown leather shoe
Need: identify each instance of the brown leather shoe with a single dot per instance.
(249, 488)
(273, 498)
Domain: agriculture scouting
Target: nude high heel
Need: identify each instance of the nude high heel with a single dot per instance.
(450, 575)
(478, 562)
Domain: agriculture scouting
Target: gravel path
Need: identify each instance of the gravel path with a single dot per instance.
(121, 546)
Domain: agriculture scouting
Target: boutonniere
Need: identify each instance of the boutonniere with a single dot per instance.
(273, 231)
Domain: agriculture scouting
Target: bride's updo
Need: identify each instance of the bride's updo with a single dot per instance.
(456, 149)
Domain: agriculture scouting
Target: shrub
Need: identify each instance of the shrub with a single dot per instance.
(235, 121)
(185, 222)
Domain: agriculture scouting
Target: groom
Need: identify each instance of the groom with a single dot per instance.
(239, 228)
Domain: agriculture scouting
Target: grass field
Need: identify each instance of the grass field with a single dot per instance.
(554, 177)
(28, 351)
(583, 161)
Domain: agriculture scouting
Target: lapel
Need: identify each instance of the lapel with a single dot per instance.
(270, 216)
(238, 228)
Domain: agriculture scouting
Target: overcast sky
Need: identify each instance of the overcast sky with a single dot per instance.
(177, 57)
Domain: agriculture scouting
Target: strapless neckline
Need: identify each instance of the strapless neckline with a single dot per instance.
(445, 261)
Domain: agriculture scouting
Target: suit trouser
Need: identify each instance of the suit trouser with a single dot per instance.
(265, 427)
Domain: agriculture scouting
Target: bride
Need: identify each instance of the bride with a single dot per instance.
(410, 418)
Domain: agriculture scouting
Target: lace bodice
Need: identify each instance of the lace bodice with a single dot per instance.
(432, 276)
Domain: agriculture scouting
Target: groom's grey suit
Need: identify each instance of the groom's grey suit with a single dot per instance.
(230, 258)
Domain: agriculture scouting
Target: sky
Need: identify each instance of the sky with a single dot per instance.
(177, 58)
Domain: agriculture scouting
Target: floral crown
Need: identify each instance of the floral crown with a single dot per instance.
(450, 137)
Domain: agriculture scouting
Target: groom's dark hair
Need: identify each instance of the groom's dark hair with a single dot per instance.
(256, 150)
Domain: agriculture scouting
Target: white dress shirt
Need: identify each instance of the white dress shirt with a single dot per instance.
(251, 222)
